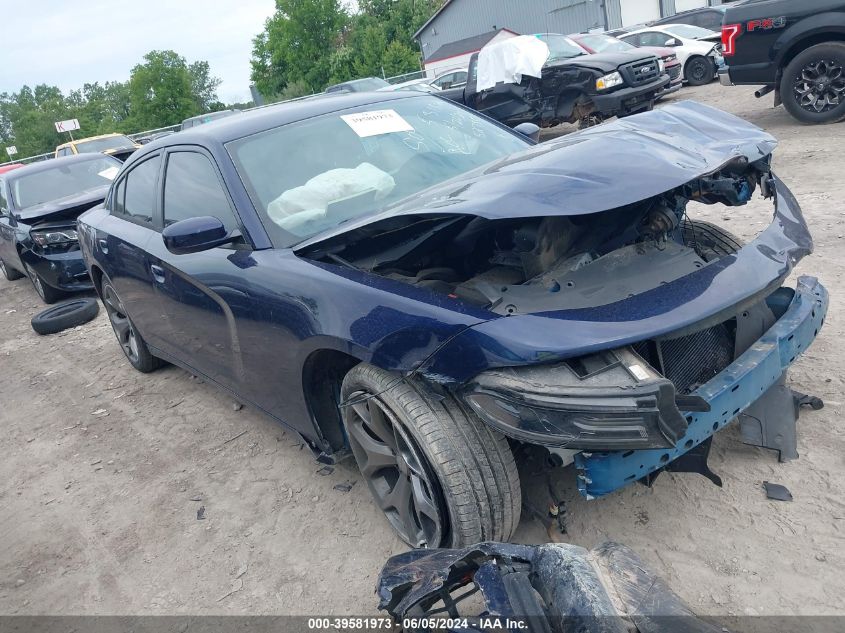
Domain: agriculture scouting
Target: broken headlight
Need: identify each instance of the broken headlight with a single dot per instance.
(54, 237)
(607, 401)
(609, 81)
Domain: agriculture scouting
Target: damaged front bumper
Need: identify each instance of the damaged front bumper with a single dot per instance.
(553, 587)
(743, 383)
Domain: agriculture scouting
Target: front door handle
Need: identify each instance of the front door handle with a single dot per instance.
(158, 273)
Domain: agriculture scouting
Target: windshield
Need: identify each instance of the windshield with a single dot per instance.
(605, 43)
(309, 177)
(63, 180)
(688, 31)
(561, 47)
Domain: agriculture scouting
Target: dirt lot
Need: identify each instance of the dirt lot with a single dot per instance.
(103, 471)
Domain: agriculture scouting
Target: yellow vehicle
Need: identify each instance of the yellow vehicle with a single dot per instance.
(116, 145)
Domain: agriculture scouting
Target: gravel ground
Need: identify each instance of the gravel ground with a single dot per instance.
(104, 471)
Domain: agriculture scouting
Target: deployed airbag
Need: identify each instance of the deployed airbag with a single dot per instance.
(297, 207)
(508, 60)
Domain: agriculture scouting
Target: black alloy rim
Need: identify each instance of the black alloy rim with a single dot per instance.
(820, 86)
(396, 472)
(121, 324)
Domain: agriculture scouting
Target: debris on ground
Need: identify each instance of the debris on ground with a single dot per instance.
(777, 492)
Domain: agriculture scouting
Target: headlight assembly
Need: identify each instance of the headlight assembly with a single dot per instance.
(54, 237)
(609, 81)
(607, 401)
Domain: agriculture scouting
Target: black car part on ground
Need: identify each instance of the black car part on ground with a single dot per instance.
(65, 315)
(794, 49)
(567, 91)
(554, 588)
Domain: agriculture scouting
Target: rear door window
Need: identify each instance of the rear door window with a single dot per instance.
(135, 195)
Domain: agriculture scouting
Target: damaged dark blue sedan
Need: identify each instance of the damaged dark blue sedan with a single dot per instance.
(396, 277)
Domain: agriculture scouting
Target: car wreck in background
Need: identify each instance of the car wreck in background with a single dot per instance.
(39, 204)
(439, 290)
(549, 79)
(544, 588)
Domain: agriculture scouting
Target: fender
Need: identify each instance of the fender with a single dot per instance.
(823, 23)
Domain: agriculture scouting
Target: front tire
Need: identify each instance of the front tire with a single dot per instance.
(812, 87)
(440, 475)
(133, 345)
(9, 273)
(48, 294)
(709, 240)
(699, 71)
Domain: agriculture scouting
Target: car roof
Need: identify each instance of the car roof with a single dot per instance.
(89, 138)
(260, 119)
(214, 115)
(52, 163)
(7, 168)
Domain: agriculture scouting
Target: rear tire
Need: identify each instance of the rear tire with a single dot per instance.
(699, 71)
(9, 273)
(815, 79)
(465, 473)
(133, 345)
(710, 241)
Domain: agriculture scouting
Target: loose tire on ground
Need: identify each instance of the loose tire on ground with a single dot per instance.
(710, 241)
(472, 476)
(65, 315)
(825, 62)
(9, 273)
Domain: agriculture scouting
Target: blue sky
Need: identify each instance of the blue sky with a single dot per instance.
(69, 42)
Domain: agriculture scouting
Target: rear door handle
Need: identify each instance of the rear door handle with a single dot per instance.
(158, 273)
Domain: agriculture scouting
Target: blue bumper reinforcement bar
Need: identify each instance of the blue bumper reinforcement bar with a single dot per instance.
(729, 393)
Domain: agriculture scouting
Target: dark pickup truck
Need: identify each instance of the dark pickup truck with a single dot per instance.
(796, 49)
(574, 87)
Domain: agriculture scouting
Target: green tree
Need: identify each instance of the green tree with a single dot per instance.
(161, 92)
(297, 44)
(204, 87)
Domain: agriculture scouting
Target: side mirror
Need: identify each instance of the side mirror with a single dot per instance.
(671, 42)
(530, 130)
(196, 234)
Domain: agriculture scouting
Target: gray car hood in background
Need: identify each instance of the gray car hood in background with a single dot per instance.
(597, 169)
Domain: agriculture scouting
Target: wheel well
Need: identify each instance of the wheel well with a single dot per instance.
(97, 278)
(692, 58)
(806, 43)
(322, 376)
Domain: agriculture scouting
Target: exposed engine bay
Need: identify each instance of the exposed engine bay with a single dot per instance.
(530, 265)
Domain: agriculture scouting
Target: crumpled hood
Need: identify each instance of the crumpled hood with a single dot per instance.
(603, 62)
(65, 207)
(597, 169)
(710, 295)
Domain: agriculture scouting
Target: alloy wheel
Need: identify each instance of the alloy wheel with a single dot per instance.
(396, 472)
(3, 268)
(820, 86)
(123, 328)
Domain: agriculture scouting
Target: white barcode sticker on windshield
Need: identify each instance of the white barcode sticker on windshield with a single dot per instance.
(376, 122)
(109, 173)
(639, 372)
